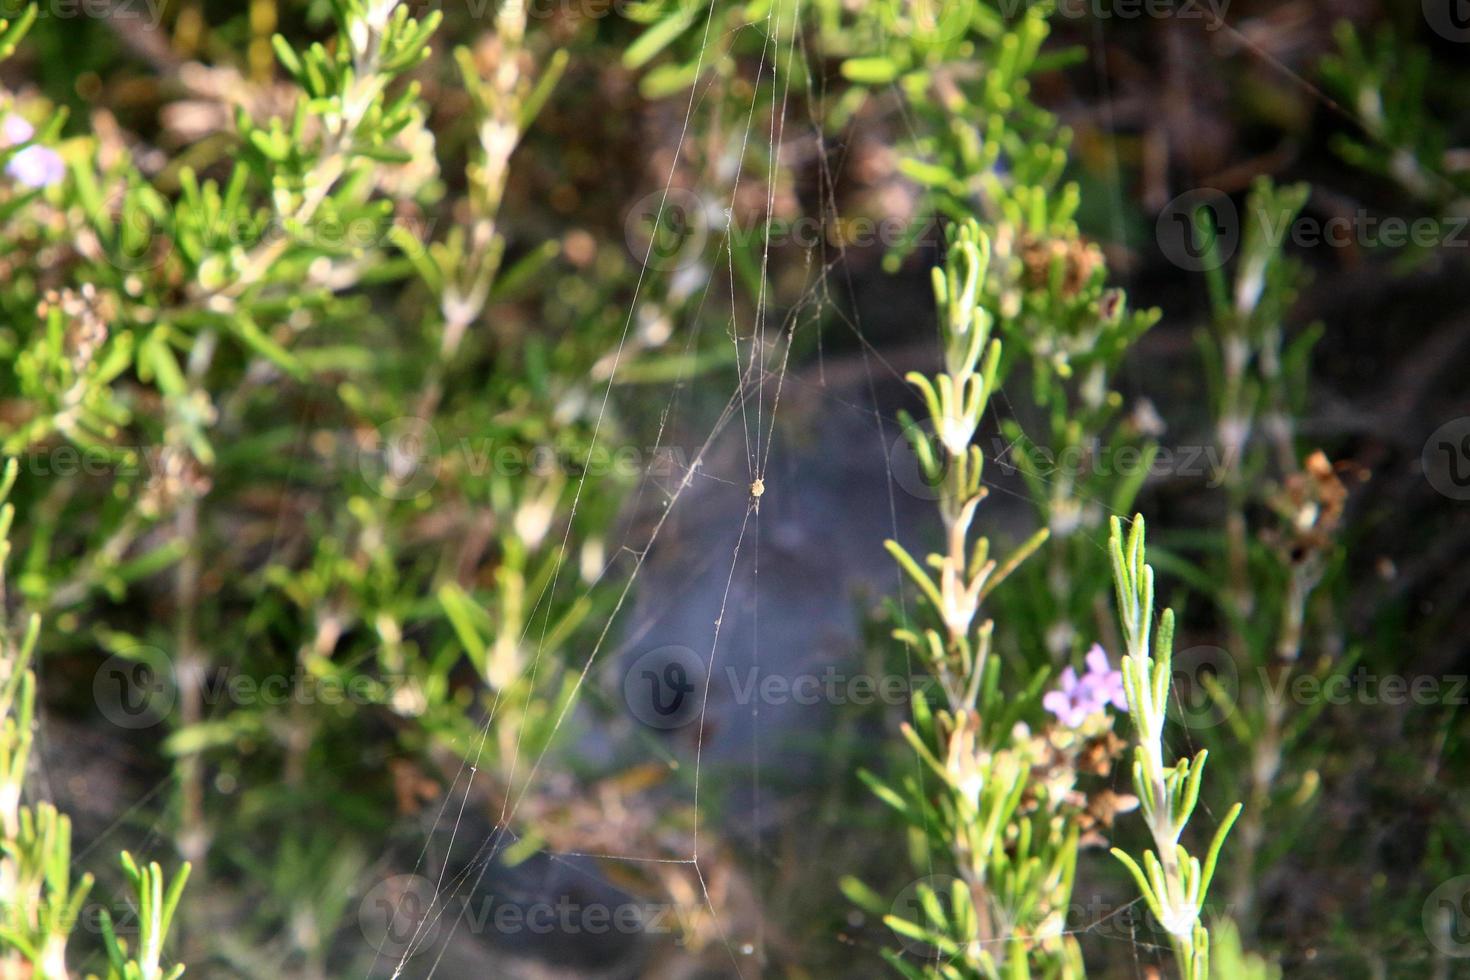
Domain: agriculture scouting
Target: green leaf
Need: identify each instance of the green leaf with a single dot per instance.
(918, 575)
(160, 365)
(927, 174)
(524, 271)
(870, 71)
(545, 85)
(204, 736)
(862, 896)
(466, 617)
(286, 55)
(884, 792)
(656, 38)
(665, 80)
(15, 30)
(257, 340)
(1213, 855)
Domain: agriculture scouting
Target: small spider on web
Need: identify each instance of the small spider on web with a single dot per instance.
(757, 490)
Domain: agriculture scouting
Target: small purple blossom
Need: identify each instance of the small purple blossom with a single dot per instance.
(1072, 702)
(35, 165)
(15, 130)
(1107, 682)
(1079, 697)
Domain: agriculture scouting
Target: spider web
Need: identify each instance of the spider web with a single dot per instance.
(758, 432)
(762, 364)
(757, 364)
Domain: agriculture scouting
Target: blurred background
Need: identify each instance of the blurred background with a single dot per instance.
(548, 640)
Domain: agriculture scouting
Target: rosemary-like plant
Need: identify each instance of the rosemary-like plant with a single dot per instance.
(39, 904)
(1173, 882)
(1015, 864)
(277, 311)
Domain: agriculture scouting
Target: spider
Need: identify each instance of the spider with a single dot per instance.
(757, 488)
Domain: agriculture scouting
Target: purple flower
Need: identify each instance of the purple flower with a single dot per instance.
(1107, 682)
(15, 130)
(1079, 697)
(35, 165)
(1072, 702)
